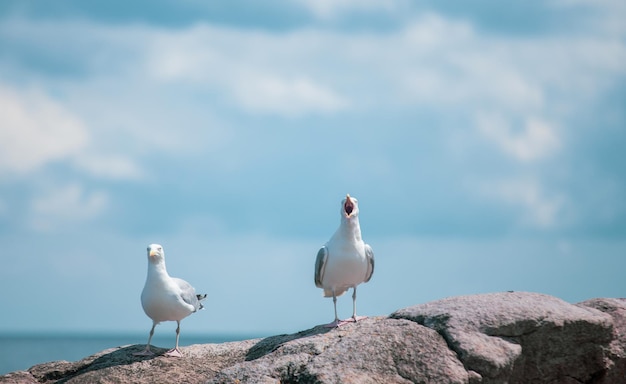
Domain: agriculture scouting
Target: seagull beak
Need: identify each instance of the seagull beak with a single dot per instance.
(153, 253)
(348, 206)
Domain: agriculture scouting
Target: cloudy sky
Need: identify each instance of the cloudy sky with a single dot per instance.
(484, 140)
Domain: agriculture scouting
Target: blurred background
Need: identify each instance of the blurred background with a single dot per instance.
(484, 141)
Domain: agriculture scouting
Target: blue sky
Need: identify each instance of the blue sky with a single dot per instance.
(485, 143)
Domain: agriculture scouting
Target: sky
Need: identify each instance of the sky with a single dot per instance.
(484, 141)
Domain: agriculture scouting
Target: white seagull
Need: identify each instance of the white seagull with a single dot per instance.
(345, 261)
(166, 298)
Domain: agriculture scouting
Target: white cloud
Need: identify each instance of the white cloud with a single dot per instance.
(443, 62)
(604, 16)
(109, 166)
(330, 9)
(59, 206)
(538, 208)
(189, 90)
(36, 130)
(434, 61)
(251, 68)
(535, 140)
(287, 97)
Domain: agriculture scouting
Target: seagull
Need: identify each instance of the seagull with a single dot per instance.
(345, 261)
(166, 298)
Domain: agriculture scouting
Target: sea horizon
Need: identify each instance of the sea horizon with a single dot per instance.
(21, 350)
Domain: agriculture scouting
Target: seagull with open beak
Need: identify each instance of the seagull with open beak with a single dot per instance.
(345, 261)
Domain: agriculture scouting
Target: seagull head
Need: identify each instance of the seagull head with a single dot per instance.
(349, 207)
(155, 253)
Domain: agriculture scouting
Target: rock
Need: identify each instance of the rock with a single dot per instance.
(492, 338)
(517, 337)
(616, 354)
(119, 365)
(377, 350)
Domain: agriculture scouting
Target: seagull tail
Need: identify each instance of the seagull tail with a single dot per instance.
(200, 298)
(338, 292)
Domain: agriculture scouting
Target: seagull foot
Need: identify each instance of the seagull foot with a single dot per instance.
(337, 323)
(145, 352)
(355, 319)
(175, 352)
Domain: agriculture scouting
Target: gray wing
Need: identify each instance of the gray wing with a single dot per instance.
(188, 293)
(369, 255)
(320, 265)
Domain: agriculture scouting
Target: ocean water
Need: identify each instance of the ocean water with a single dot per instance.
(20, 352)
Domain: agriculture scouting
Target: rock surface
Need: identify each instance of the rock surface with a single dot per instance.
(509, 337)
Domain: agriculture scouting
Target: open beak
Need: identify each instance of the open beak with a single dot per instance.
(348, 206)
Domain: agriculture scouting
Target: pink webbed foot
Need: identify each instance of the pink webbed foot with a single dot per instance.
(337, 323)
(355, 319)
(175, 352)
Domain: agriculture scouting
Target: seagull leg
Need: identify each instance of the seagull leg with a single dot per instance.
(355, 318)
(336, 322)
(147, 351)
(175, 352)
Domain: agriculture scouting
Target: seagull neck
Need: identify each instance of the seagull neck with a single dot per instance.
(157, 270)
(351, 228)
